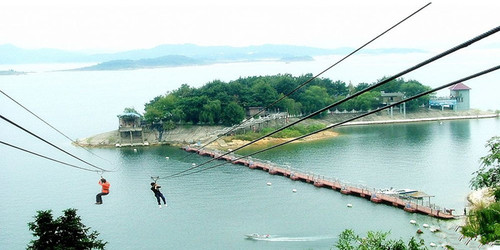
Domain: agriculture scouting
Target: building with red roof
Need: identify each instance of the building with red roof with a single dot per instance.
(461, 93)
(458, 100)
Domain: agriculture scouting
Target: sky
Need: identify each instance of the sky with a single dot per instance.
(117, 25)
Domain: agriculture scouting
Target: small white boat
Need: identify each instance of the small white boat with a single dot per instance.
(413, 222)
(406, 191)
(392, 191)
(256, 236)
(389, 191)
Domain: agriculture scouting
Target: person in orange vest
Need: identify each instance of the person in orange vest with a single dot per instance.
(105, 190)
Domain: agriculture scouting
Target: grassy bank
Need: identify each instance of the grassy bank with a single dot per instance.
(291, 132)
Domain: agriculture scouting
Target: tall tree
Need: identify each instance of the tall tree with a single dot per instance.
(315, 98)
(264, 94)
(484, 221)
(210, 113)
(412, 88)
(232, 114)
(66, 232)
(488, 174)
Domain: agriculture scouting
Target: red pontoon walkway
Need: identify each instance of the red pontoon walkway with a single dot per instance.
(375, 196)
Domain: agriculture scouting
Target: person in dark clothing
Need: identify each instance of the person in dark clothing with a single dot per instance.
(156, 190)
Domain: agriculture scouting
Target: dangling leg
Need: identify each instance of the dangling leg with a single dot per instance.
(158, 200)
(98, 198)
(163, 198)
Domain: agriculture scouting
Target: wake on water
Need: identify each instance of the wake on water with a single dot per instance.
(290, 239)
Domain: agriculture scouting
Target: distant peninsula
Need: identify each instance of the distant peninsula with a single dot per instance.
(168, 55)
(164, 61)
(11, 72)
(176, 61)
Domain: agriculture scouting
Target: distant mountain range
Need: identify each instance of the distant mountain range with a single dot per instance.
(176, 55)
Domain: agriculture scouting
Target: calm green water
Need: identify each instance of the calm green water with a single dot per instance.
(215, 209)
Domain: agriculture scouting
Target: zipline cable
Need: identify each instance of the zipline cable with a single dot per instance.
(48, 124)
(40, 138)
(314, 77)
(46, 157)
(430, 60)
(348, 120)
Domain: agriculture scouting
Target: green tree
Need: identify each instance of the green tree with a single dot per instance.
(184, 91)
(65, 232)
(412, 88)
(131, 110)
(263, 94)
(160, 108)
(488, 174)
(484, 221)
(289, 105)
(367, 101)
(348, 240)
(211, 112)
(315, 98)
(285, 84)
(232, 114)
(193, 105)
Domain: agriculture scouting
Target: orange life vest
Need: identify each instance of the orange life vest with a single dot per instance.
(105, 187)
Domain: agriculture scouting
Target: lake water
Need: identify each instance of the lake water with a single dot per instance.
(216, 208)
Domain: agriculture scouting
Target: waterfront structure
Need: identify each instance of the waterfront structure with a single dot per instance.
(461, 93)
(458, 100)
(130, 130)
(390, 98)
(411, 204)
(251, 111)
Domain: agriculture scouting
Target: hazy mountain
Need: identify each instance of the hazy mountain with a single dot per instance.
(10, 54)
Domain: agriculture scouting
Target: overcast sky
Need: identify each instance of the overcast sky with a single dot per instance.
(114, 25)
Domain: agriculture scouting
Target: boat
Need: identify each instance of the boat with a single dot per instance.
(406, 191)
(392, 191)
(256, 236)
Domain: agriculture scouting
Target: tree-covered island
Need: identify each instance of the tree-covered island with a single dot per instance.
(224, 103)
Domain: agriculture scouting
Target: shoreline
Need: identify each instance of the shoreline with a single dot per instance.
(187, 135)
(330, 134)
(422, 119)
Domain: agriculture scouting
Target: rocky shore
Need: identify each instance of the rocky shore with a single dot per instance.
(480, 197)
(185, 135)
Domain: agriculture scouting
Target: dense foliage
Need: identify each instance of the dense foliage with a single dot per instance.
(218, 102)
(488, 174)
(484, 221)
(348, 240)
(65, 232)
